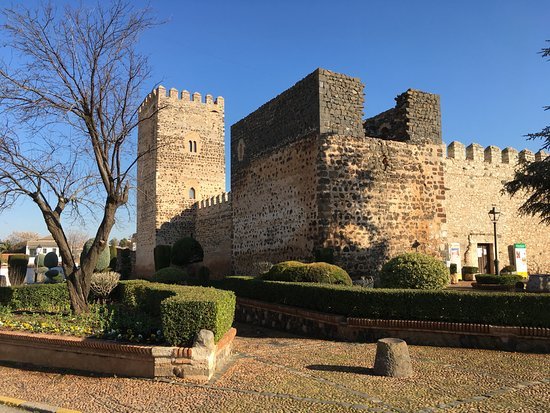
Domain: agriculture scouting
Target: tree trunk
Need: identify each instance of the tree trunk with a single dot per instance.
(78, 293)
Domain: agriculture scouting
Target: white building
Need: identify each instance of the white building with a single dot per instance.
(40, 246)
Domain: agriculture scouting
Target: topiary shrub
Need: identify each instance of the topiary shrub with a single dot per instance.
(125, 266)
(316, 272)
(414, 270)
(468, 273)
(53, 276)
(51, 260)
(163, 254)
(508, 269)
(17, 268)
(187, 251)
(170, 275)
(104, 258)
(39, 261)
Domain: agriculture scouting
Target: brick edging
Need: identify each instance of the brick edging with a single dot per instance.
(436, 326)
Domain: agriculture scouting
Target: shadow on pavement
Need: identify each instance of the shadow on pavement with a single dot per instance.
(342, 369)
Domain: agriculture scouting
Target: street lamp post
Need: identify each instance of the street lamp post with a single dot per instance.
(494, 214)
(38, 248)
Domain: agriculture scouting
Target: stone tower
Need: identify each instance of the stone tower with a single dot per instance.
(182, 161)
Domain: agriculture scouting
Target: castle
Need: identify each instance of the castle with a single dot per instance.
(309, 174)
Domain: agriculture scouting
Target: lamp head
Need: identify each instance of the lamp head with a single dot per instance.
(494, 214)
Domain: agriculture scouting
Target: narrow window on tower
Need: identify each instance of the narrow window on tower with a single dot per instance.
(194, 146)
(192, 193)
(190, 146)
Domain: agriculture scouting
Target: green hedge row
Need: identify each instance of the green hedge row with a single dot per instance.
(516, 309)
(184, 311)
(504, 279)
(36, 297)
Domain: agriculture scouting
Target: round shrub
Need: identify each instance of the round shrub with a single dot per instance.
(170, 275)
(317, 272)
(508, 269)
(187, 251)
(322, 272)
(53, 276)
(51, 260)
(414, 270)
(104, 258)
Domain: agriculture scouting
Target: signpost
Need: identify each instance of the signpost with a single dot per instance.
(520, 257)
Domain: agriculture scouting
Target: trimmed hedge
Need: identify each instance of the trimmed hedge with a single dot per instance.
(17, 268)
(503, 279)
(317, 272)
(36, 297)
(516, 309)
(184, 311)
(170, 275)
(193, 309)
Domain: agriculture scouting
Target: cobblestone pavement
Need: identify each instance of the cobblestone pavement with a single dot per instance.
(277, 372)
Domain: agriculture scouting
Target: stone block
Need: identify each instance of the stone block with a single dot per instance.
(456, 150)
(475, 152)
(492, 154)
(510, 156)
(392, 358)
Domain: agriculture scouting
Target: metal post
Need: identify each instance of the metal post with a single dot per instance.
(497, 271)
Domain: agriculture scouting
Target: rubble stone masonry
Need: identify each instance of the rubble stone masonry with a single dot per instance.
(181, 138)
(377, 198)
(307, 172)
(474, 179)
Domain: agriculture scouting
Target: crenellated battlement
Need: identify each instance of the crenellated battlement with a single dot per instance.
(185, 96)
(221, 199)
(492, 154)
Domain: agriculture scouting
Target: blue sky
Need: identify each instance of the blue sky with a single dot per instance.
(481, 57)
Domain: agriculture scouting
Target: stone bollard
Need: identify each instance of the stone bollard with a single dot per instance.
(392, 358)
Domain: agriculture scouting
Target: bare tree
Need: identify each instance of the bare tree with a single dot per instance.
(76, 239)
(17, 237)
(70, 100)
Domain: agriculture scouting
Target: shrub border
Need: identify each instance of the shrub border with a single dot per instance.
(506, 309)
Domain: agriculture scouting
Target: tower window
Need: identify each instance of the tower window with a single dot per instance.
(192, 193)
(190, 146)
(194, 146)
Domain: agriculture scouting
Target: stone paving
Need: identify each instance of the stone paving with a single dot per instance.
(278, 372)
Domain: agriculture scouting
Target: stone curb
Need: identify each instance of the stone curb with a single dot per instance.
(34, 406)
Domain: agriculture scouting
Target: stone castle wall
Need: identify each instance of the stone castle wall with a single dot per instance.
(272, 170)
(474, 178)
(274, 179)
(186, 135)
(416, 118)
(274, 207)
(307, 172)
(388, 195)
(214, 229)
(327, 185)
